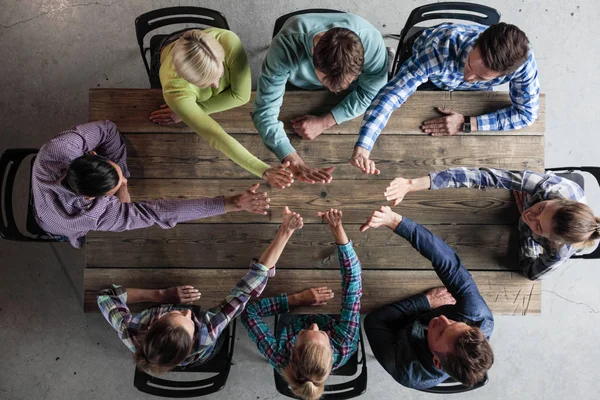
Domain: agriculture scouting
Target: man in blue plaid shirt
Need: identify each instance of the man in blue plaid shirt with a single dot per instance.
(458, 57)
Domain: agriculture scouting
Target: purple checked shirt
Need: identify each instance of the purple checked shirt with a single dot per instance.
(59, 211)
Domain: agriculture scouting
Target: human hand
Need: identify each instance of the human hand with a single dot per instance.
(250, 201)
(164, 116)
(519, 199)
(291, 221)
(307, 174)
(384, 217)
(311, 297)
(334, 219)
(360, 159)
(279, 176)
(311, 126)
(123, 192)
(439, 296)
(449, 124)
(397, 189)
(179, 295)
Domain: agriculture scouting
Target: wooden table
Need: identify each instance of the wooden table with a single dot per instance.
(213, 253)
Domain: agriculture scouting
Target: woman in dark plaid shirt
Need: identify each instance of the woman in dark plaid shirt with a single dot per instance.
(166, 335)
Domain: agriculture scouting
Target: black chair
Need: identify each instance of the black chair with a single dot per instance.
(10, 161)
(220, 365)
(145, 23)
(449, 10)
(450, 386)
(339, 391)
(571, 174)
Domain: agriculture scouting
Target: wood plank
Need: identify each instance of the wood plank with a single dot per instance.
(507, 293)
(130, 108)
(234, 245)
(189, 156)
(357, 199)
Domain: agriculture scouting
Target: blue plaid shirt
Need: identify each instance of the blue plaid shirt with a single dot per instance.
(439, 56)
(538, 255)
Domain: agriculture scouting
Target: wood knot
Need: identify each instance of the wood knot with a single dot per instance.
(323, 194)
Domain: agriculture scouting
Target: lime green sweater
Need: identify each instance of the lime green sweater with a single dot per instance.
(193, 104)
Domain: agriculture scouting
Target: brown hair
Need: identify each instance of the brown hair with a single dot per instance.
(471, 359)
(339, 54)
(197, 57)
(503, 47)
(164, 346)
(308, 369)
(575, 222)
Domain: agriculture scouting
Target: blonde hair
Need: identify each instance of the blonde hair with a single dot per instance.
(308, 369)
(575, 223)
(198, 57)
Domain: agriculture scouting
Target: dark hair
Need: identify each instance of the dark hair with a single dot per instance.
(91, 176)
(471, 359)
(339, 54)
(503, 47)
(575, 222)
(164, 346)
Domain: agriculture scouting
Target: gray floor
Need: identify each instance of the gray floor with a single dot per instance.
(53, 51)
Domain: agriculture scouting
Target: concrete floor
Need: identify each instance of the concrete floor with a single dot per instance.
(53, 51)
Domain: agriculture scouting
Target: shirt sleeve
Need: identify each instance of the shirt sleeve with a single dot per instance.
(269, 98)
(240, 79)
(482, 178)
(346, 331)
(259, 331)
(414, 72)
(370, 81)
(117, 216)
(251, 285)
(113, 306)
(525, 98)
(182, 102)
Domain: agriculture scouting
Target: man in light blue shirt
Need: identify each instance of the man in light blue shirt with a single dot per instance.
(316, 51)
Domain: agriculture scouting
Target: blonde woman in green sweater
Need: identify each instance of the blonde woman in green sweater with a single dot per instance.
(204, 72)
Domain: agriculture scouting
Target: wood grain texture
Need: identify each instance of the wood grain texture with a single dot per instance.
(357, 199)
(130, 108)
(506, 293)
(189, 156)
(234, 245)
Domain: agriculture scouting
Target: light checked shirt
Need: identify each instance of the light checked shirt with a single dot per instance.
(60, 211)
(538, 255)
(439, 55)
(208, 324)
(343, 334)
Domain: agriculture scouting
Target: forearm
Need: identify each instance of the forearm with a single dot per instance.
(271, 255)
(418, 184)
(144, 295)
(340, 235)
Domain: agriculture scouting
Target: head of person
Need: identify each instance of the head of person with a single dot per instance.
(338, 58)
(92, 175)
(498, 51)
(460, 350)
(198, 58)
(563, 221)
(310, 364)
(167, 343)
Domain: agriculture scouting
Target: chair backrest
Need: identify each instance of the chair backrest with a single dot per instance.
(10, 161)
(339, 391)
(450, 386)
(571, 174)
(152, 20)
(472, 12)
(282, 20)
(220, 365)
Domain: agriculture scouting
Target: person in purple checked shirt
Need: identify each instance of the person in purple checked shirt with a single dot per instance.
(79, 184)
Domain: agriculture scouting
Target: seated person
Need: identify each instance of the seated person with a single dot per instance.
(555, 221)
(166, 335)
(204, 72)
(315, 51)
(443, 332)
(79, 184)
(459, 57)
(311, 346)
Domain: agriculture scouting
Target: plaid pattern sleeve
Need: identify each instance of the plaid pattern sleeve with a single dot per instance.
(259, 331)
(345, 336)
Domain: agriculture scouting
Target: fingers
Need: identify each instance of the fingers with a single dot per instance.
(261, 204)
(434, 121)
(253, 188)
(188, 294)
(286, 210)
(444, 110)
(364, 227)
(285, 165)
